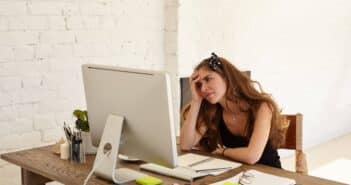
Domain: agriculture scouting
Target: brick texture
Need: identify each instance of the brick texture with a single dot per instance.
(42, 47)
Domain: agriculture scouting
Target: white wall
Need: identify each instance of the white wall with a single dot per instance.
(298, 50)
(171, 54)
(44, 42)
(42, 46)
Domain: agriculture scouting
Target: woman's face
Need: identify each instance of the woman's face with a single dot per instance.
(211, 86)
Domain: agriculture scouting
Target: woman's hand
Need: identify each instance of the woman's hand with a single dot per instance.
(195, 91)
(219, 150)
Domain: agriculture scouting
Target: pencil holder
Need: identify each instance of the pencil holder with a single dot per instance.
(77, 151)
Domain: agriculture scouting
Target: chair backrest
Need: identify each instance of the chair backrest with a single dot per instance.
(293, 140)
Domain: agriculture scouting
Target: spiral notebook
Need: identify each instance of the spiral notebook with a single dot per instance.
(258, 178)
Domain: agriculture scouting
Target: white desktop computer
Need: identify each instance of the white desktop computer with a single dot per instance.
(130, 112)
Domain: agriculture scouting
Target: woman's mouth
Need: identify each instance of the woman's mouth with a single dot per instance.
(209, 95)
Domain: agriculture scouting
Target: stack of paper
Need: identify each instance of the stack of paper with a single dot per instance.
(191, 159)
(205, 164)
(178, 172)
(258, 178)
(191, 166)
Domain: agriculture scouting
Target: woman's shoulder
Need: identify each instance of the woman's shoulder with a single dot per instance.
(265, 107)
(264, 110)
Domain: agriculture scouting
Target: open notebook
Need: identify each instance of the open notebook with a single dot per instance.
(192, 166)
(258, 178)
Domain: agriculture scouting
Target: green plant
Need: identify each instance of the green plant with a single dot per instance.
(82, 119)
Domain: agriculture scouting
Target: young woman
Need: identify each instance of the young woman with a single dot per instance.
(229, 116)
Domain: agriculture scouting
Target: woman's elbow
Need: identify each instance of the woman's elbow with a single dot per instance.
(184, 146)
(252, 159)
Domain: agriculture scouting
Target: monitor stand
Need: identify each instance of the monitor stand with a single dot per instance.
(105, 166)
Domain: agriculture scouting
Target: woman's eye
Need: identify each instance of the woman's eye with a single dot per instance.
(198, 85)
(208, 79)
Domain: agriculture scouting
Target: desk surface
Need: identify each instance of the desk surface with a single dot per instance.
(43, 163)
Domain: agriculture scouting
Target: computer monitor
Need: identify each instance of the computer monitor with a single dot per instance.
(143, 98)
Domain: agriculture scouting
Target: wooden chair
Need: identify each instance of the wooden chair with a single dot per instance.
(292, 130)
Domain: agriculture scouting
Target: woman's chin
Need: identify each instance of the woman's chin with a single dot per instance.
(211, 100)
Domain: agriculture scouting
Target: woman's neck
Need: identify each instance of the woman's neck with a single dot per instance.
(229, 106)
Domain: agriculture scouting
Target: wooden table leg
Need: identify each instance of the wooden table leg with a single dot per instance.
(31, 178)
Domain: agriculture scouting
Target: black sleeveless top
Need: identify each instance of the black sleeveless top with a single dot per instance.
(269, 157)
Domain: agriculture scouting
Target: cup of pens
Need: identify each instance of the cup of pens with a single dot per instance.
(74, 138)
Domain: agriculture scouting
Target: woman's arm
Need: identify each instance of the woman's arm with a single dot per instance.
(189, 136)
(253, 152)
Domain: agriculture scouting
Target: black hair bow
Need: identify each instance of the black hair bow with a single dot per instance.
(214, 62)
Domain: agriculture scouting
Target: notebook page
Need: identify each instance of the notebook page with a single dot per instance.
(190, 163)
(216, 163)
(190, 159)
(260, 178)
(179, 172)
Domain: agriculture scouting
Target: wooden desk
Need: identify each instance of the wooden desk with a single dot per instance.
(40, 165)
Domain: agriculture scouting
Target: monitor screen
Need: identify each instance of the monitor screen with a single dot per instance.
(144, 99)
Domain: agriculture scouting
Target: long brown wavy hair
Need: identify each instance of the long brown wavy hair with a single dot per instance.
(240, 88)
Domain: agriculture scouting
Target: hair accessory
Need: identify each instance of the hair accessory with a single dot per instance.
(214, 62)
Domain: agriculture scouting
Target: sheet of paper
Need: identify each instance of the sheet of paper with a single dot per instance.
(216, 163)
(190, 159)
(190, 163)
(259, 178)
(201, 162)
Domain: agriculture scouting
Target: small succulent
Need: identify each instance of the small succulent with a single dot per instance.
(82, 119)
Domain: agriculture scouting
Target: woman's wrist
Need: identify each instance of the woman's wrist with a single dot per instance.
(195, 103)
(223, 154)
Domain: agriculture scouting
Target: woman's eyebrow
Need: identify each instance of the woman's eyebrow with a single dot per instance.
(203, 78)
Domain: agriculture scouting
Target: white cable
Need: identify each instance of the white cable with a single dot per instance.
(95, 166)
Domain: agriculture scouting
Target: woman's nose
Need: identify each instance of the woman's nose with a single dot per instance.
(204, 87)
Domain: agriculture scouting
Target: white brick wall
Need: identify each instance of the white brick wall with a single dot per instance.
(7, 114)
(6, 54)
(96, 7)
(14, 8)
(5, 99)
(57, 37)
(46, 8)
(51, 135)
(15, 141)
(18, 38)
(4, 25)
(22, 53)
(10, 83)
(17, 23)
(42, 47)
(57, 22)
(171, 53)
(22, 125)
(6, 128)
(37, 22)
(91, 50)
(93, 37)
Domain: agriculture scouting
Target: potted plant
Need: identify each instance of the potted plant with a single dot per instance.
(82, 124)
(82, 120)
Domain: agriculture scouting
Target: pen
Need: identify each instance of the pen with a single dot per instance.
(202, 161)
(67, 133)
(213, 169)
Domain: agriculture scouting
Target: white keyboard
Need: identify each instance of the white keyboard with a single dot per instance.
(179, 172)
(124, 175)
